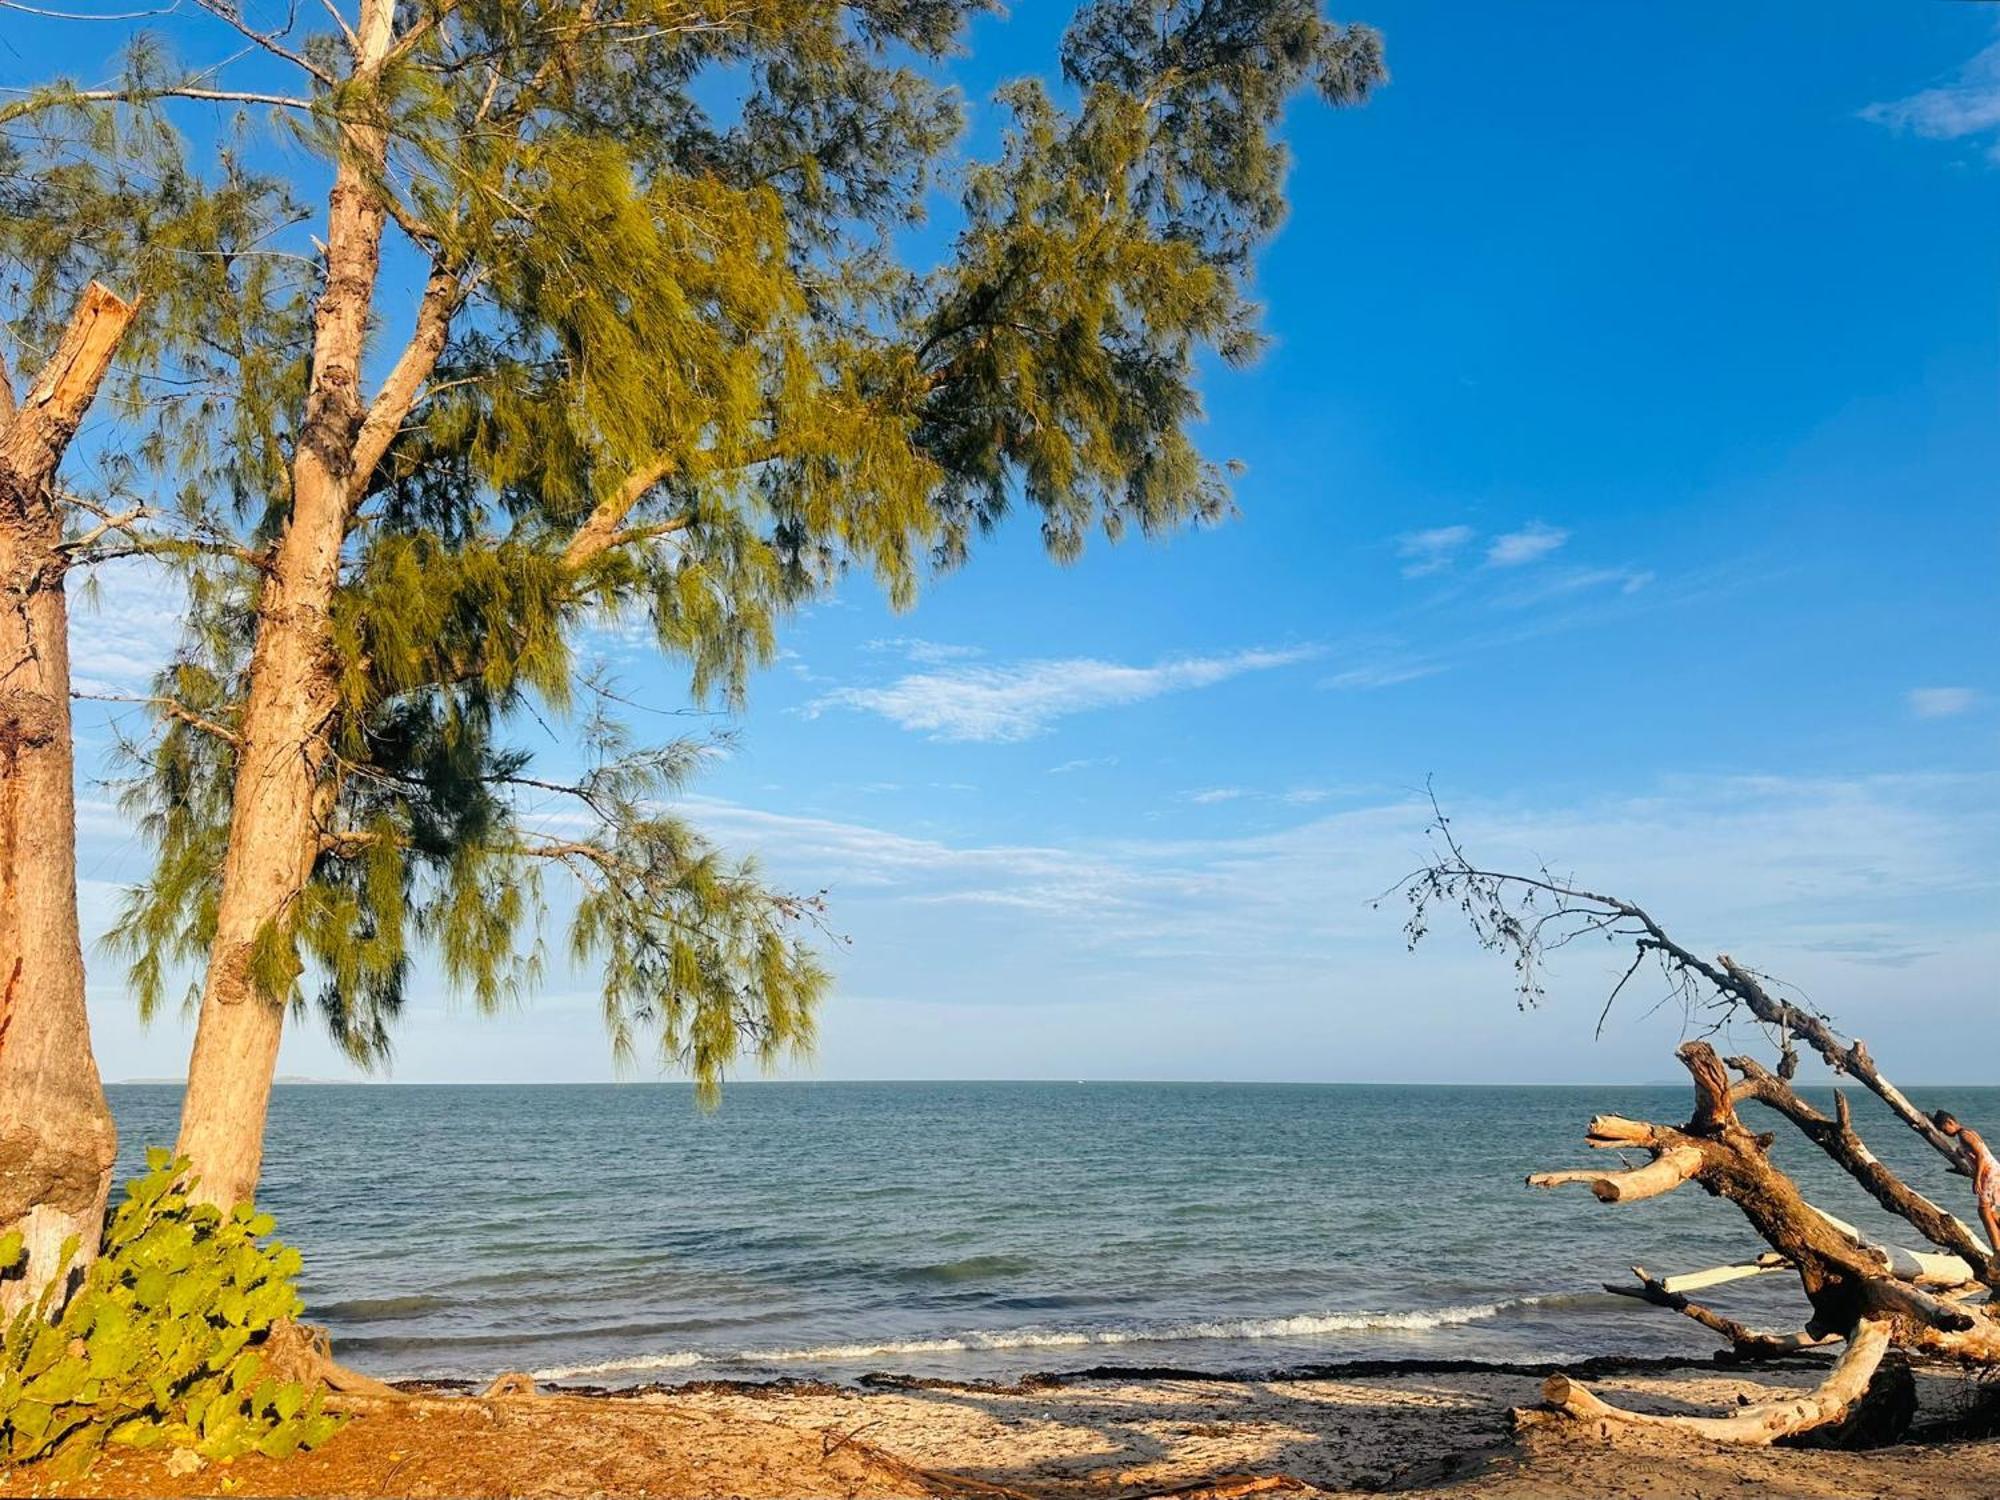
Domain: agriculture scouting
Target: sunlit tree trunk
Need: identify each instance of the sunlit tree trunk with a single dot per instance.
(281, 748)
(56, 1135)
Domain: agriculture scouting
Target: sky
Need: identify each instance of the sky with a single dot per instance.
(1622, 466)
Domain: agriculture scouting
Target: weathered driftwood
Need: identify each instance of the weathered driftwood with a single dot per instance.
(1745, 1342)
(1922, 1300)
(1766, 1421)
(1696, 1281)
(1873, 1296)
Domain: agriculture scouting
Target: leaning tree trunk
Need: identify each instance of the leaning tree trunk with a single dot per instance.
(56, 1135)
(282, 748)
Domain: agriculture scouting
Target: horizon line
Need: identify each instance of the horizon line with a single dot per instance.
(1302, 1083)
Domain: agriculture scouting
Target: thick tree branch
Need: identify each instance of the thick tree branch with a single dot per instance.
(1763, 1423)
(1747, 1342)
(1840, 1141)
(444, 294)
(1662, 1175)
(602, 528)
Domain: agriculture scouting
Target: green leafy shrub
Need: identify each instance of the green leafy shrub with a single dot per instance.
(159, 1345)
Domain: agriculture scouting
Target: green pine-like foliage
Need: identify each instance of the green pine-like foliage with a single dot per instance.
(662, 239)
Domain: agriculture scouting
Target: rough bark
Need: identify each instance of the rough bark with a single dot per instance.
(1865, 1293)
(1838, 1138)
(56, 1135)
(282, 748)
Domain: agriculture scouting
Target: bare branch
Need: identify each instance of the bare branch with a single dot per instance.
(1746, 1342)
(172, 708)
(268, 40)
(1662, 1175)
(1531, 915)
(67, 98)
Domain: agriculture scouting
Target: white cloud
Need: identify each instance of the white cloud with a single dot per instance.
(1532, 542)
(925, 653)
(1967, 106)
(1217, 794)
(1567, 582)
(1089, 762)
(999, 704)
(1388, 672)
(1823, 882)
(1941, 702)
(1431, 551)
(1261, 957)
(125, 619)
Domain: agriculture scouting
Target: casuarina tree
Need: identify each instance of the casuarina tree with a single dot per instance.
(615, 319)
(162, 236)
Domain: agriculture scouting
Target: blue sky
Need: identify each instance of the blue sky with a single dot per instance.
(1624, 459)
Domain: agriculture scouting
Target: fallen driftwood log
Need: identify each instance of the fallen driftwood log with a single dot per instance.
(1877, 1299)
(1872, 1297)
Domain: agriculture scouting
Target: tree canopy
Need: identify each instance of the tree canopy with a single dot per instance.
(647, 348)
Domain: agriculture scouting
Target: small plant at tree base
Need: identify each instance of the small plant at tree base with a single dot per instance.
(159, 1346)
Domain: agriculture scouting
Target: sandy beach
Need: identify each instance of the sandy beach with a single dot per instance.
(1443, 1432)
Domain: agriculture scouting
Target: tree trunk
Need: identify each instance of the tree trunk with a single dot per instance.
(57, 1140)
(282, 747)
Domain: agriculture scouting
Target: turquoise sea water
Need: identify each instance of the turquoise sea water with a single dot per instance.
(617, 1235)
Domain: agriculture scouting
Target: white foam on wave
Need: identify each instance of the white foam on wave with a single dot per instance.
(678, 1360)
(1303, 1325)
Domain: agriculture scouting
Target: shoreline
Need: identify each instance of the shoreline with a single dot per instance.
(1593, 1367)
(1411, 1426)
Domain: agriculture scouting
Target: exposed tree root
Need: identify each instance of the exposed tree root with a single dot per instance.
(1761, 1424)
(300, 1351)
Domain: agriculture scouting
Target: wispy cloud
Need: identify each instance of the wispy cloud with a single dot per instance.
(1967, 106)
(923, 652)
(1087, 763)
(1941, 702)
(1825, 880)
(1388, 672)
(125, 620)
(999, 704)
(1572, 581)
(1212, 795)
(1431, 551)
(1531, 543)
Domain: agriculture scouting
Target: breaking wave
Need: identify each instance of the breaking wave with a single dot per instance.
(1303, 1325)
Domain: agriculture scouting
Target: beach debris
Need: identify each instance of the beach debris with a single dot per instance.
(1871, 1296)
(302, 1352)
(512, 1384)
(1874, 1297)
(184, 1461)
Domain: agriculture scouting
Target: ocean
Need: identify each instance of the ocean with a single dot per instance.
(617, 1235)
